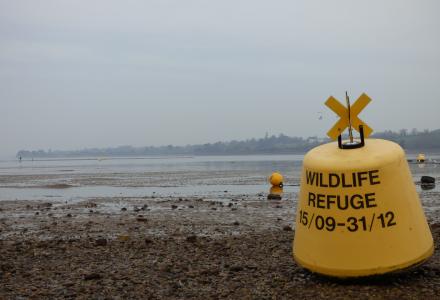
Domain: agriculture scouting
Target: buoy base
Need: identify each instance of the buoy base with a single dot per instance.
(343, 273)
(274, 197)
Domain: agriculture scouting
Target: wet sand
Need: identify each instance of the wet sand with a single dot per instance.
(232, 247)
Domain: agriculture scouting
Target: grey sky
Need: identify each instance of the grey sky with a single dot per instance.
(77, 74)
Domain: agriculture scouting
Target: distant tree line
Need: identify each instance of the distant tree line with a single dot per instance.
(413, 140)
(280, 144)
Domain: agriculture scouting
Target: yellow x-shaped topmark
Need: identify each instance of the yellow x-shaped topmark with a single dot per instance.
(344, 122)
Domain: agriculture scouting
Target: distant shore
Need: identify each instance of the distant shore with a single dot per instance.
(412, 152)
(414, 142)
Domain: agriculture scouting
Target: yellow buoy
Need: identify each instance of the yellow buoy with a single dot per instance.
(421, 158)
(275, 193)
(276, 179)
(359, 213)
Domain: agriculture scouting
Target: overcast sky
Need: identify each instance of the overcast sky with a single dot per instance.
(77, 74)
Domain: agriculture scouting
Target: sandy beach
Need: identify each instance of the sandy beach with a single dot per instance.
(218, 245)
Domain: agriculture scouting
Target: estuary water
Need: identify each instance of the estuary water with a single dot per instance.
(205, 176)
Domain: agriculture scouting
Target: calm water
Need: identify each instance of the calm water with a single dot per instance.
(150, 164)
(212, 176)
(175, 176)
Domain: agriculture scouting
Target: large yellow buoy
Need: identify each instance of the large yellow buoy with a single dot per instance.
(359, 213)
(276, 179)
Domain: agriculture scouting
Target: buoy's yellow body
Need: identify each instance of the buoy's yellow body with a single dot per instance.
(275, 193)
(276, 179)
(276, 190)
(421, 158)
(359, 213)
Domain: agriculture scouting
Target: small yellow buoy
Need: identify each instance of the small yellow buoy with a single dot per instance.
(421, 158)
(358, 212)
(275, 193)
(276, 179)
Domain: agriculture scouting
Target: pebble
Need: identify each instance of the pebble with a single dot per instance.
(287, 228)
(236, 268)
(123, 238)
(101, 242)
(92, 276)
(191, 239)
(69, 284)
(141, 219)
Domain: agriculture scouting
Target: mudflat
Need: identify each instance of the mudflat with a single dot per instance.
(237, 247)
(182, 228)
